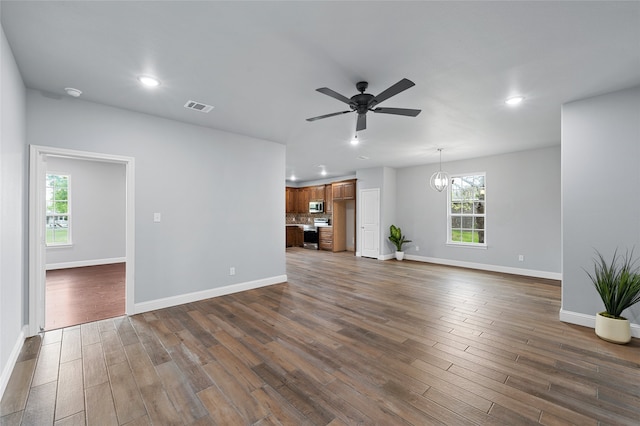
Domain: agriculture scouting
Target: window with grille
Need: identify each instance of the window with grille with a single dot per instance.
(58, 215)
(467, 210)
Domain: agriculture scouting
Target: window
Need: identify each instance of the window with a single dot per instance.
(58, 216)
(467, 210)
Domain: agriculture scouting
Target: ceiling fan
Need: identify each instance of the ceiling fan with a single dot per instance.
(364, 102)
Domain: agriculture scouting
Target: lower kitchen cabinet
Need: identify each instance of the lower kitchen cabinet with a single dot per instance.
(325, 238)
(295, 236)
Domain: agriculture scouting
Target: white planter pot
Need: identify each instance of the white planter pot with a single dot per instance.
(399, 255)
(613, 330)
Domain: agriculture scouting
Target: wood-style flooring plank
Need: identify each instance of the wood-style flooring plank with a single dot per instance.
(40, 405)
(100, 409)
(126, 396)
(77, 419)
(70, 394)
(15, 397)
(48, 363)
(94, 368)
(71, 345)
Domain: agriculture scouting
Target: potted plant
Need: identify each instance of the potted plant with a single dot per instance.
(398, 240)
(618, 284)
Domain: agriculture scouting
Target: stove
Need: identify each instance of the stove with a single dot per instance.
(311, 233)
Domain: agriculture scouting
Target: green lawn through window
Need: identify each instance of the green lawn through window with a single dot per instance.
(57, 235)
(464, 236)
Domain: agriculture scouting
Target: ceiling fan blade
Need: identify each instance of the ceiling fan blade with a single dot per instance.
(400, 86)
(362, 122)
(398, 111)
(327, 115)
(334, 95)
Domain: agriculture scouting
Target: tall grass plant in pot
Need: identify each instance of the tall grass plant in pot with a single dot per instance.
(618, 284)
(398, 240)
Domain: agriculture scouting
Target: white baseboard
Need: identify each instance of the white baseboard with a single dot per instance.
(485, 267)
(167, 302)
(11, 362)
(83, 263)
(387, 256)
(585, 320)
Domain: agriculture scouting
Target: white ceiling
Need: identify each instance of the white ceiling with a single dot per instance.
(259, 64)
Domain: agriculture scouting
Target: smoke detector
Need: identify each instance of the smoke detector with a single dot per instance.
(198, 106)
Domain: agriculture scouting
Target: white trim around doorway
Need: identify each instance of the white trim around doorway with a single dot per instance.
(37, 261)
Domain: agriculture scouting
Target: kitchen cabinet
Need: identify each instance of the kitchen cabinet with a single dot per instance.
(291, 200)
(325, 238)
(304, 194)
(294, 236)
(316, 193)
(328, 199)
(344, 190)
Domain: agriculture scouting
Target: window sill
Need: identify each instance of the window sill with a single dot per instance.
(56, 246)
(469, 246)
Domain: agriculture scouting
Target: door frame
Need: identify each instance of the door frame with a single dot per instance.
(37, 235)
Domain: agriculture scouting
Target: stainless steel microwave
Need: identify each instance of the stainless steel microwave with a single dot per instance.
(316, 207)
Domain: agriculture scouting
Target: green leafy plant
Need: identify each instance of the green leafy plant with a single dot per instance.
(397, 238)
(617, 283)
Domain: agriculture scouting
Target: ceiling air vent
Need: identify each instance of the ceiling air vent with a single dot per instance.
(198, 106)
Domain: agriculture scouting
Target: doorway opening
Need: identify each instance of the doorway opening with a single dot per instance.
(87, 275)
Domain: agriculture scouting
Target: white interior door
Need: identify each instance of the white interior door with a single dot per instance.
(370, 222)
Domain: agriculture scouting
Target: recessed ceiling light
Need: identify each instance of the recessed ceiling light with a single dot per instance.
(73, 92)
(355, 140)
(515, 100)
(323, 172)
(148, 81)
(292, 177)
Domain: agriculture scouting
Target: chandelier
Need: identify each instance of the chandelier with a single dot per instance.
(439, 180)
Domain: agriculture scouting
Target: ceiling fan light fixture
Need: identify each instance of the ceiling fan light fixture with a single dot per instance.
(362, 102)
(439, 180)
(355, 140)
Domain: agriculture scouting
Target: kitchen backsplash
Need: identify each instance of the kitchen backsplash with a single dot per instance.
(304, 218)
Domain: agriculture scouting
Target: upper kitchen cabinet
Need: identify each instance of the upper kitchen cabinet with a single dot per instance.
(304, 196)
(291, 200)
(344, 190)
(328, 199)
(317, 193)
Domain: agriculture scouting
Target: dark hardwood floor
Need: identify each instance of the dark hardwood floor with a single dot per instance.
(346, 340)
(79, 295)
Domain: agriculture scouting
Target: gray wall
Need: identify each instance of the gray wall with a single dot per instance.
(13, 208)
(523, 211)
(98, 207)
(600, 191)
(207, 185)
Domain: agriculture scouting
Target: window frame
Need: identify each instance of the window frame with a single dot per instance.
(68, 214)
(450, 215)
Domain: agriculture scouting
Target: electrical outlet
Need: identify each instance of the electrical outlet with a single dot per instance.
(521, 257)
(232, 271)
(157, 217)
(417, 248)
